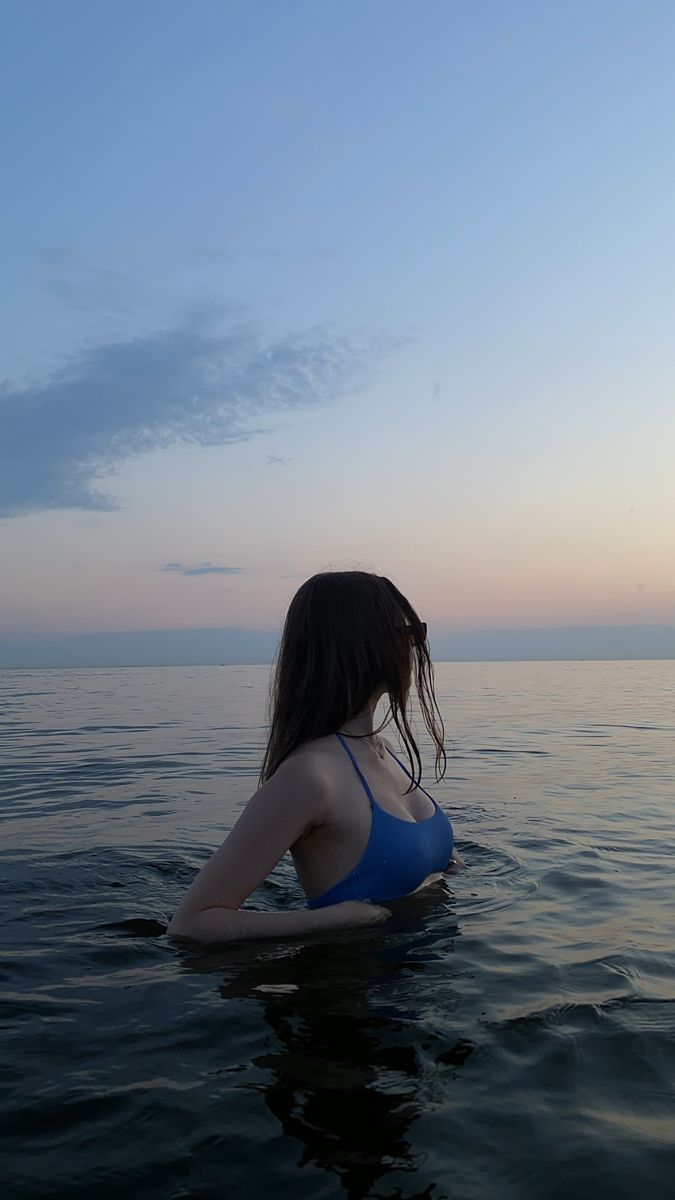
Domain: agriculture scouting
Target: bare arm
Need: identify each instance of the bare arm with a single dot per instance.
(282, 811)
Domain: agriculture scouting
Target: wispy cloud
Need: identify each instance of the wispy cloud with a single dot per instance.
(275, 460)
(202, 382)
(76, 284)
(262, 255)
(204, 569)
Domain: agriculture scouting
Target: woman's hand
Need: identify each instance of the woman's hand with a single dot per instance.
(456, 864)
(350, 914)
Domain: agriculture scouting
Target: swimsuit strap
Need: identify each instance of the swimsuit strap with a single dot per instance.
(410, 777)
(359, 772)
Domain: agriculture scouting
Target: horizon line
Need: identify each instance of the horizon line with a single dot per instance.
(436, 661)
(11, 639)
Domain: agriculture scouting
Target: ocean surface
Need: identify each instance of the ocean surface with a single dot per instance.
(509, 1035)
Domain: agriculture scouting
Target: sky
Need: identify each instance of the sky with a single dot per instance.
(296, 286)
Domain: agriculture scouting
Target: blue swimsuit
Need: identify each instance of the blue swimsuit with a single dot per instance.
(399, 855)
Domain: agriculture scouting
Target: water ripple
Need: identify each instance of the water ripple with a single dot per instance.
(508, 1035)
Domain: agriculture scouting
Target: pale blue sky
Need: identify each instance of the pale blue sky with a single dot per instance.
(422, 254)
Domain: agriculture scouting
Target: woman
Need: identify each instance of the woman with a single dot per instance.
(359, 827)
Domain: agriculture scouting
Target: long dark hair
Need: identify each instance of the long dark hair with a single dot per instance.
(348, 634)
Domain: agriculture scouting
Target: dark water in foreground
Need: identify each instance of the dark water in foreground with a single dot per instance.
(509, 1034)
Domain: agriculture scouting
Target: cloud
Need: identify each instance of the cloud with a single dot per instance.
(205, 382)
(204, 569)
(275, 460)
(99, 290)
(261, 255)
(75, 284)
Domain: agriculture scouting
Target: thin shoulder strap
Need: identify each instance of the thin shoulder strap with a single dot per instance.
(401, 765)
(359, 772)
(410, 777)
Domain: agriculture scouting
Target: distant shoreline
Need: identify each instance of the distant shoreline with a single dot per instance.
(231, 646)
(218, 666)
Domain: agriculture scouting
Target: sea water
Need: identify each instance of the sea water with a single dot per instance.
(510, 1033)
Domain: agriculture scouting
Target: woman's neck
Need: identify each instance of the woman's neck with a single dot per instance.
(362, 724)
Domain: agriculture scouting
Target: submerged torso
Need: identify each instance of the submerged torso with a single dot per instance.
(400, 852)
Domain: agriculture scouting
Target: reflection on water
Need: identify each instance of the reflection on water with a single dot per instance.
(508, 1035)
(344, 1076)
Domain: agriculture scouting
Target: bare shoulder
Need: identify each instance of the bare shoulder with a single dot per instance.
(313, 763)
(317, 755)
(305, 781)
